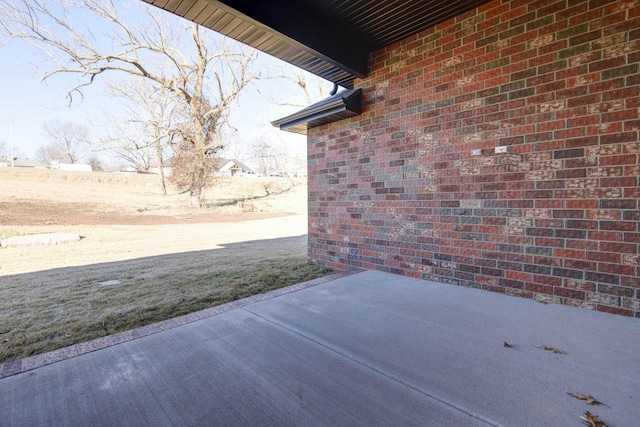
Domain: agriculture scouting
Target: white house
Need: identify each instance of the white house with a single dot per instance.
(232, 167)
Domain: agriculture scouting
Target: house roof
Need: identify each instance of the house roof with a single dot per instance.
(223, 162)
(337, 107)
(329, 38)
(20, 162)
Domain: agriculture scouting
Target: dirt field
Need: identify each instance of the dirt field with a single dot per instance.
(167, 258)
(125, 216)
(51, 197)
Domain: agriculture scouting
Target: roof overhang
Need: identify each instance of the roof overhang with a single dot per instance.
(337, 107)
(332, 39)
(329, 38)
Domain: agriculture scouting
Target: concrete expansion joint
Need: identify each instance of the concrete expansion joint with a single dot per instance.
(375, 369)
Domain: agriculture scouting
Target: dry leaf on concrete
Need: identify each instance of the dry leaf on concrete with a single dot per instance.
(587, 398)
(553, 350)
(592, 420)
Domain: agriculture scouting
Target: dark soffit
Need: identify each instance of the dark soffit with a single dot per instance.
(329, 38)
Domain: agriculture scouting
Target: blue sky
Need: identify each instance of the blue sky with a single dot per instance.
(27, 102)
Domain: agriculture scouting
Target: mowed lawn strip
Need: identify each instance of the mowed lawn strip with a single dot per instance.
(71, 306)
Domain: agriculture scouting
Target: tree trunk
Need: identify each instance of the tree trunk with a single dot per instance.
(161, 166)
(162, 181)
(195, 198)
(199, 182)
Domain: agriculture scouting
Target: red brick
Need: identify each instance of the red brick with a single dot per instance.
(628, 248)
(547, 280)
(606, 64)
(582, 204)
(569, 293)
(618, 138)
(582, 18)
(604, 257)
(626, 270)
(621, 93)
(569, 253)
(539, 288)
(621, 25)
(629, 159)
(615, 310)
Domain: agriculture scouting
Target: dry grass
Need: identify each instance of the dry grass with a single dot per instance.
(51, 297)
(71, 306)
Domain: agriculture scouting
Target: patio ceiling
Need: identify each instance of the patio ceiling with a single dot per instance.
(329, 38)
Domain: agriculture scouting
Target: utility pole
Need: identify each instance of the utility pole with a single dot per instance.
(11, 139)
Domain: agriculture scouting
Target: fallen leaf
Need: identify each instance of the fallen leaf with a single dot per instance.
(592, 420)
(506, 344)
(588, 398)
(578, 396)
(553, 350)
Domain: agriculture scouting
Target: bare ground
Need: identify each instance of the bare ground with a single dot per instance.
(49, 197)
(125, 216)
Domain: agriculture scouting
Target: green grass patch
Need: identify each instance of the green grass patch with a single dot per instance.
(70, 306)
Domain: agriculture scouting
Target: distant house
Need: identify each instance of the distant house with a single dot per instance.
(128, 169)
(165, 170)
(290, 173)
(73, 167)
(233, 167)
(23, 162)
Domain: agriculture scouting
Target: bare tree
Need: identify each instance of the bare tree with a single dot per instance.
(271, 152)
(235, 147)
(96, 164)
(195, 152)
(47, 154)
(69, 142)
(144, 135)
(274, 156)
(266, 156)
(206, 81)
(310, 89)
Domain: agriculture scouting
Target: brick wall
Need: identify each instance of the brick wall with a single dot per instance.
(555, 218)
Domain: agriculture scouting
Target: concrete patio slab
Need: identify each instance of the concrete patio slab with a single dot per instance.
(366, 349)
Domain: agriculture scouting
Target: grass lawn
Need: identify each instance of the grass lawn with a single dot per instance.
(40, 316)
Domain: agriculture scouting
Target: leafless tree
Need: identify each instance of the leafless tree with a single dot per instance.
(266, 156)
(205, 74)
(144, 132)
(192, 163)
(309, 88)
(272, 151)
(96, 164)
(69, 142)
